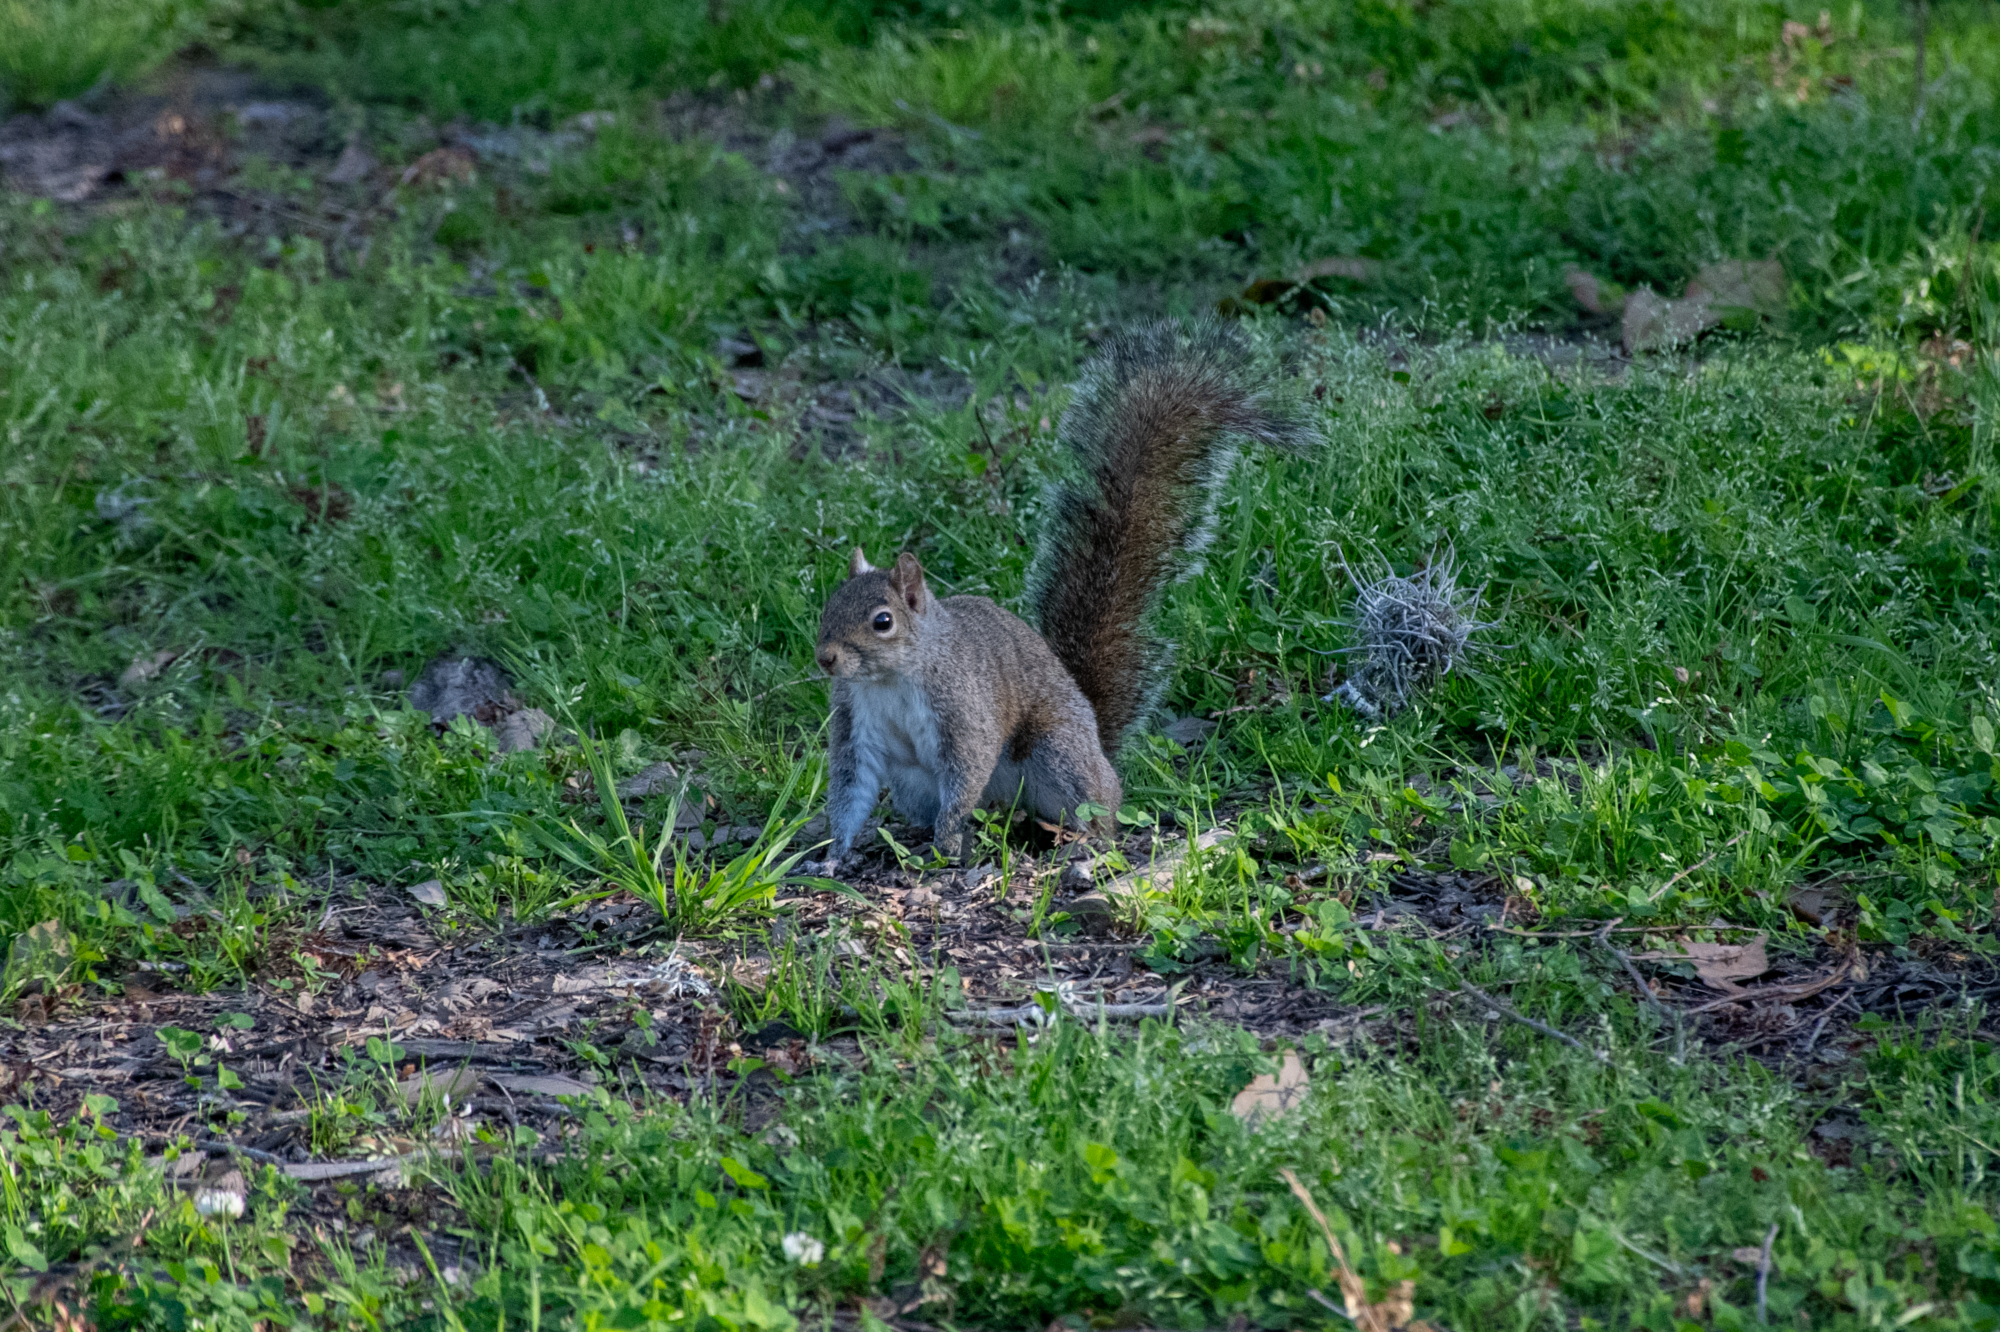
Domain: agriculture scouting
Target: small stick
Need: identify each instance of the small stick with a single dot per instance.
(1326, 1303)
(1351, 1288)
(1764, 1269)
(1824, 1017)
(1034, 1015)
(1603, 937)
(1623, 929)
(1507, 1010)
(217, 1147)
(1803, 990)
(1657, 892)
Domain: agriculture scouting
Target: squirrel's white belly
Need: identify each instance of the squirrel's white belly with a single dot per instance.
(896, 723)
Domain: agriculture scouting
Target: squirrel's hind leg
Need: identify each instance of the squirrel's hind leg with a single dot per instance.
(1060, 776)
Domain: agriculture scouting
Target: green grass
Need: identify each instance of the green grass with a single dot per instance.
(53, 49)
(1744, 604)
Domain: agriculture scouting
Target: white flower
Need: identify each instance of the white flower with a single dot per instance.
(219, 1202)
(803, 1249)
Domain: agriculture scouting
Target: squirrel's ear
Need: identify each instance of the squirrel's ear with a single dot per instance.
(857, 564)
(906, 580)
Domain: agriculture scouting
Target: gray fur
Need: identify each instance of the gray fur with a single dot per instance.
(955, 703)
(1154, 427)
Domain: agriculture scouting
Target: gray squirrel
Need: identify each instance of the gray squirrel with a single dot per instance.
(954, 702)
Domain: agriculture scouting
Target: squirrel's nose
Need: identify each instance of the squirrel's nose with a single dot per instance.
(827, 659)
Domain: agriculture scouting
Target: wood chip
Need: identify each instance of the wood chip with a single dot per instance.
(1271, 1095)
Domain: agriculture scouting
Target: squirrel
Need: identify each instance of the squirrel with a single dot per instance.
(954, 702)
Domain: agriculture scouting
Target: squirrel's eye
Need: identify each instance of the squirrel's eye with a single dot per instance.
(884, 622)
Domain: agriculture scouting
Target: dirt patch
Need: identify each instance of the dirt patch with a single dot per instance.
(512, 1022)
(807, 161)
(196, 127)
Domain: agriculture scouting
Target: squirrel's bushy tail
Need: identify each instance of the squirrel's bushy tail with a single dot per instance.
(1154, 425)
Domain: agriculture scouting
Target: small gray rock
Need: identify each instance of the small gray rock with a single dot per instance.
(463, 686)
(1187, 732)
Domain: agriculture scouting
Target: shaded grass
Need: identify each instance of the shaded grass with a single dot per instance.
(52, 49)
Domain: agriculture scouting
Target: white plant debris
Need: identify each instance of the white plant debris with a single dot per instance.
(804, 1249)
(1410, 633)
(679, 977)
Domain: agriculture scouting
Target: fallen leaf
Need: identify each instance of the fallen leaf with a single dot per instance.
(356, 164)
(1720, 964)
(1652, 321)
(649, 781)
(470, 989)
(1270, 1095)
(431, 893)
(1187, 732)
(41, 952)
(441, 164)
(1815, 906)
(523, 730)
(457, 1083)
(1352, 267)
(148, 667)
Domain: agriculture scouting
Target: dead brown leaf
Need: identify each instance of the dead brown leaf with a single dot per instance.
(1653, 321)
(431, 893)
(355, 165)
(1815, 905)
(1719, 964)
(441, 164)
(1270, 1095)
(457, 1083)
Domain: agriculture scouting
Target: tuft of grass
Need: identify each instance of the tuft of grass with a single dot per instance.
(693, 896)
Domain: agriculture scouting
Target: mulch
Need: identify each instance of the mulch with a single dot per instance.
(555, 1008)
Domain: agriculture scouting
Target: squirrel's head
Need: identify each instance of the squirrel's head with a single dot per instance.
(872, 621)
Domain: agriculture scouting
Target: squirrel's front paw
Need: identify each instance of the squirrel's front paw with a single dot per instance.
(820, 869)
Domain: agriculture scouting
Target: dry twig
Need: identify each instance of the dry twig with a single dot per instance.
(1661, 890)
(1764, 1269)
(1506, 1010)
